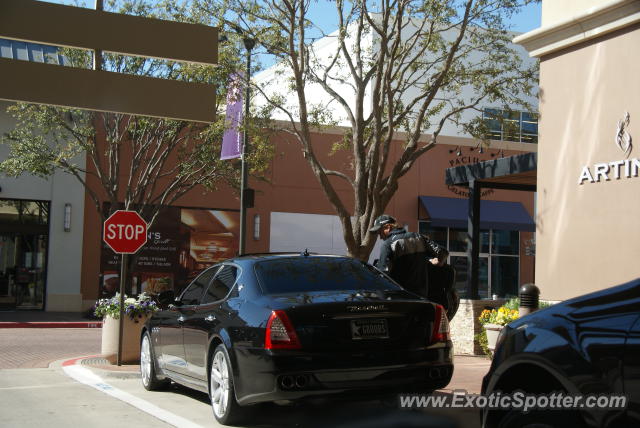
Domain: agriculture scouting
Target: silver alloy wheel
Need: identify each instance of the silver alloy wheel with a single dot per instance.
(145, 361)
(220, 388)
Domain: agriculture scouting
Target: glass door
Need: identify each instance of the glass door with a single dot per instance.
(23, 253)
(459, 262)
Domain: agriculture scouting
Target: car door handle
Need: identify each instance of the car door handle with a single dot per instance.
(181, 318)
(209, 318)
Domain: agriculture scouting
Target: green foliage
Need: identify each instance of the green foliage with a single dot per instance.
(142, 161)
(514, 303)
(481, 339)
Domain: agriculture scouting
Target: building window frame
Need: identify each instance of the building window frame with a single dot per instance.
(488, 254)
(511, 125)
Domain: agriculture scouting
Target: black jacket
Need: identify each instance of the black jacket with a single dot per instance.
(405, 258)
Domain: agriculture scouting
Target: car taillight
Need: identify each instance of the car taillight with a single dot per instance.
(280, 333)
(440, 331)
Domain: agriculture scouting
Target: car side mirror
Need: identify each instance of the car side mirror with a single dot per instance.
(167, 298)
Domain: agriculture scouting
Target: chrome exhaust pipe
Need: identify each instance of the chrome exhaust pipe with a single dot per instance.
(287, 382)
(301, 381)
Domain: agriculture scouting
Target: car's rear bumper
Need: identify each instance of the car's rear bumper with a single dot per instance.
(291, 375)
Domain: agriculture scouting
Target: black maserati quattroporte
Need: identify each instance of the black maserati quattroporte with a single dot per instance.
(275, 327)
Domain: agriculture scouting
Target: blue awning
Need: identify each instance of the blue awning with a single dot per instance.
(454, 212)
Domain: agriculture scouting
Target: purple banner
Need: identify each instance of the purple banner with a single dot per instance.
(232, 140)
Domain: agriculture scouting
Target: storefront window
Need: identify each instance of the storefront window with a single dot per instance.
(499, 258)
(23, 253)
(437, 234)
(505, 242)
(181, 243)
(458, 240)
(460, 265)
(504, 276)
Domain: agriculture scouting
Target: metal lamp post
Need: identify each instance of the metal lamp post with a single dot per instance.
(246, 194)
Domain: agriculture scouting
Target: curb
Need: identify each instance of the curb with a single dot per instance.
(52, 324)
(103, 368)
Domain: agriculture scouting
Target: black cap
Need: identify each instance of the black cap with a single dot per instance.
(381, 221)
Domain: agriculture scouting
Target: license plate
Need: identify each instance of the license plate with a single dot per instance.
(369, 329)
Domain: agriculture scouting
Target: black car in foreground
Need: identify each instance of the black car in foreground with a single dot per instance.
(276, 327)
(589, 345)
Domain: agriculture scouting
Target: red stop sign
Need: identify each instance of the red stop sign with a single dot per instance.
(125, 232)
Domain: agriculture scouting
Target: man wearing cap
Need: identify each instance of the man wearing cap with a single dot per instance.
(406, 256)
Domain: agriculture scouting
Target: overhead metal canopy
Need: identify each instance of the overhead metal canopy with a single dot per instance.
(517, 172)
(70, 26)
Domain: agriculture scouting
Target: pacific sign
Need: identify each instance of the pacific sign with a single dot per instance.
(626, 168)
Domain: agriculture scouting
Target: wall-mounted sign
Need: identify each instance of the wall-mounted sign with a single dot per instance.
(460, 159)
(620, 169)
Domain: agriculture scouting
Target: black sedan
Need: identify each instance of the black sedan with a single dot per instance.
(586, 346)
(273, 327)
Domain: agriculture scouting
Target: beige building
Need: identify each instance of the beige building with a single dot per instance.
(588, 188)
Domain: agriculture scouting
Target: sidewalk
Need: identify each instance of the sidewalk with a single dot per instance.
(42, 319)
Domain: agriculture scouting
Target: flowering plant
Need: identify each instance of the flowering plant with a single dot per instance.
(500, 316)
(133, 307)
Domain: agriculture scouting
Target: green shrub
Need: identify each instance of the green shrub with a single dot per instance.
(514, 303)
(481, 339)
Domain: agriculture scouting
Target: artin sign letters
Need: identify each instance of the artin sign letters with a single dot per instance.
(625, 168)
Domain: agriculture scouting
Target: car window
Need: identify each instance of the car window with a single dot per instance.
(193, 293)
(300, 274)
(221, 284)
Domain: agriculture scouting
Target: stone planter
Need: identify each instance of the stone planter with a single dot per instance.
(493, 331)
(465, 325)
(130, 341)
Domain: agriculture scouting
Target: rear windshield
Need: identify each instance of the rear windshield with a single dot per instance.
(304, 274)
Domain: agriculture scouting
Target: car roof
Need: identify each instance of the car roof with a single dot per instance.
(271, 256)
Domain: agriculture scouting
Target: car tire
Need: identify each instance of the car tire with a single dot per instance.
(225, 408)
(541, 419)
(148, 371)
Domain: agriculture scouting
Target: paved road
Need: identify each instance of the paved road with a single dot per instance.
(38, 347)
(47, 398)
(32, 394)
(50, 398)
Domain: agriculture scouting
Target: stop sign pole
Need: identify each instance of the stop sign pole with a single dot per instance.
(125, 232)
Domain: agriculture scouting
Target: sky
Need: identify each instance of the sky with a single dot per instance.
(528, 19)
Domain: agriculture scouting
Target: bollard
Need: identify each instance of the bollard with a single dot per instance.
(529, 299)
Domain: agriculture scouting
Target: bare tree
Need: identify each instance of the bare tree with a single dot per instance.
(395, 65)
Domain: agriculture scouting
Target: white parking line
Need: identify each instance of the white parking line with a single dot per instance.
(87, 377)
